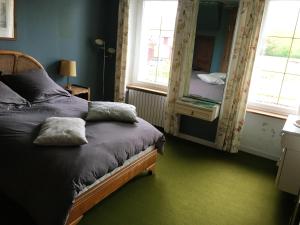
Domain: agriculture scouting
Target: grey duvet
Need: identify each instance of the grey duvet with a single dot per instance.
(45, 180)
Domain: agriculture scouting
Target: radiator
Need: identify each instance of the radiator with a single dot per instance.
(150, 107)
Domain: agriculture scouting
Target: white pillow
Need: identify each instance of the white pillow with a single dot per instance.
(219, 75)
(210, 79)
(111, 111)
(62, 131)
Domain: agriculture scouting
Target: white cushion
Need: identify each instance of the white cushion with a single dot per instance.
(118, 111)
(62, 131)
(210, 79)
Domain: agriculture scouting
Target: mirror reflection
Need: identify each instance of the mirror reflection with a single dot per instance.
(213, 41)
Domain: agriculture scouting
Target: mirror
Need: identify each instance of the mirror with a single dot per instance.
(213, 41)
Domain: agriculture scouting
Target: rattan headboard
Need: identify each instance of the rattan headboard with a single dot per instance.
(12, 62)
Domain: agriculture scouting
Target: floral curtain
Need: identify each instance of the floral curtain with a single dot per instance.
(121, 53)
(233, 110)
(182, 57)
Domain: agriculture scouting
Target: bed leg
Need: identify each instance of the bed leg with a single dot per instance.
(151, 169)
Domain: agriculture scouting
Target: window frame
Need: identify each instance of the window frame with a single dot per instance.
(134, 62)
(266, 108)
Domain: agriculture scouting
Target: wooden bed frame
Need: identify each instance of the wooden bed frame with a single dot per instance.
(12, 62)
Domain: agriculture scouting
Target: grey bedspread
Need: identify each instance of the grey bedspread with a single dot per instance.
(45, 180)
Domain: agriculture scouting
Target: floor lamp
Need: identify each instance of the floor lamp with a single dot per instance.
(101, 43)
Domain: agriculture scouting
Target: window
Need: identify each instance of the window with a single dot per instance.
(275, 84)
(151, 36)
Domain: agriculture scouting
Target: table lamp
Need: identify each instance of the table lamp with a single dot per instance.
(68, 68)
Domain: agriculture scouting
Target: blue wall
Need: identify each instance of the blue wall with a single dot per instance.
(64, 29)
(220, 39)
(111, 28)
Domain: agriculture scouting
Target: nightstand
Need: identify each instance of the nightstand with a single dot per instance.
(79, 91)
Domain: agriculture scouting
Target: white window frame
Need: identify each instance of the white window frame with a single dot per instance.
(133, 52)
(265, 107)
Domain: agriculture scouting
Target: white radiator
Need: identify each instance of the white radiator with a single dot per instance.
(150, 107)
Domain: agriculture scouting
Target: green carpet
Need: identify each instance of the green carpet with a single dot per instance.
(195, 185)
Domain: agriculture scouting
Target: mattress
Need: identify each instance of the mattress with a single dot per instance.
(201, 89)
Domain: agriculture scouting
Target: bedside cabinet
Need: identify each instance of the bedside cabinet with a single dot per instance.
(80, 91)
(288, 175)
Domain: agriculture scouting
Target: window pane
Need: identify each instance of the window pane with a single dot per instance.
(265, 87)
(163, 71)
(150, 9)
(293, 66)
(148, 73)
(169, 19)
(297, 33)
(162, 14)
(295, 51)
(165, 45)
(290, 93)
(281, 18)
(274, 54)
(271, 63)
(156, 41)
(276, 46)
(153, 44)
(276, 72)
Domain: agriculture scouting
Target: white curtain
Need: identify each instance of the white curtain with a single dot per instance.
(233, 112)
(182, 56)
(121, 54)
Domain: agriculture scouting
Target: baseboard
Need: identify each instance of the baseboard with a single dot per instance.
(257, 152)
(243, 148)
(197, 140)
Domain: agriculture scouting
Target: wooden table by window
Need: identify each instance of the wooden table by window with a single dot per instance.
(80, 91)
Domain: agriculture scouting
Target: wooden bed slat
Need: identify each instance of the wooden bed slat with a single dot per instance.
(7, 63)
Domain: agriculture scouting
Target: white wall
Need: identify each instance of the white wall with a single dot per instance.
(261, 136)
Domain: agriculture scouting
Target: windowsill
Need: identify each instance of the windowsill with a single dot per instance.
(146, 88)
(269, 114)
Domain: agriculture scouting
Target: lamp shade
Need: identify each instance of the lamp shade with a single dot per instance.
(99, 42)
(67, 68)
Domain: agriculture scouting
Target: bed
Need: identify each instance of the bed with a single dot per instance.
(201, 89)
(57, 185)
